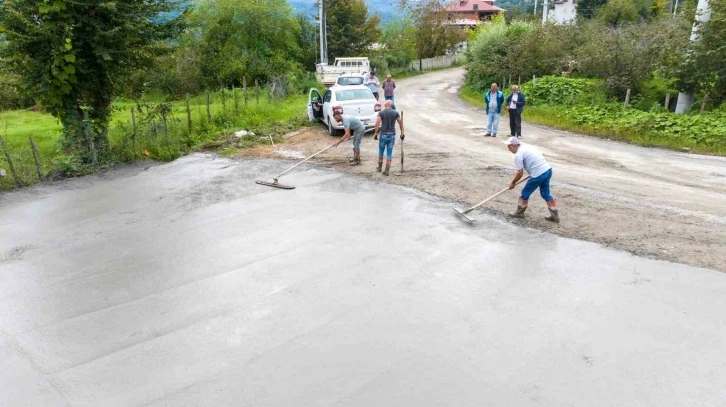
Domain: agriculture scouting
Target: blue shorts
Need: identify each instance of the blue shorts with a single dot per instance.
(542, 182)
(385, 143)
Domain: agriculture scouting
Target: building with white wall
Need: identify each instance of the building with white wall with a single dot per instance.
(562, 11)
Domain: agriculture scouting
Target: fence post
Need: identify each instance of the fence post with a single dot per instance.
(420, 65)
(209, 113)
(510, 79)
(224, 99)
(519, 81)
(133, 128)
(627, 98)
(11, 167)
(89, 138)
(534, 80)
(36, 158)
(703, 104)
(244, 87)
(257, 91)
(234, 96)
(667, 103)
(189, 116)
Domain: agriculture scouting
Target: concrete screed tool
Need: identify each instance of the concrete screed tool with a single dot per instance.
(463, 212)
(278, 185)
(401, 173)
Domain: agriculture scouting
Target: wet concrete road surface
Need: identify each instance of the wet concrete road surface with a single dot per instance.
(189, 285)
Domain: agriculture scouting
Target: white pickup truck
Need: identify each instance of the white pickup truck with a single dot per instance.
(328, 74)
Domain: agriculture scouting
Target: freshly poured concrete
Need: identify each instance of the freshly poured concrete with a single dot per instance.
(190, 285)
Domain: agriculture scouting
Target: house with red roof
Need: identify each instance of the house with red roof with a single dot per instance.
(471, 12)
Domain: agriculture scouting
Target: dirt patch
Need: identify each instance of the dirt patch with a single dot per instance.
(628, 224)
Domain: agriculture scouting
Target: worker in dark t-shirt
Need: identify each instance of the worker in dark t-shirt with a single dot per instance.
(386, 123)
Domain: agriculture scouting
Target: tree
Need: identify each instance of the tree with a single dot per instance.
(704, 68)
(587, 8)
(618, 12)
(257, 39)
(307, 42)
(399, 38)
(350, 31)
(73, 56)
(434, 36)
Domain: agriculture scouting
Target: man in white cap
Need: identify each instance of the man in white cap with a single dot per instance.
(540, 172)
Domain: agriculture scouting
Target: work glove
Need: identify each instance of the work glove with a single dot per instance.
(403, 136)
(375, 136)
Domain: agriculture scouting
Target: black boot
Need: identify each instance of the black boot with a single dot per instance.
(380, 165)
(388, 167)
(519, 213)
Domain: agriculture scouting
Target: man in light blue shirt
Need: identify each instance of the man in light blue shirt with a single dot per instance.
(372, 83)
(493, 101)
(527, 158)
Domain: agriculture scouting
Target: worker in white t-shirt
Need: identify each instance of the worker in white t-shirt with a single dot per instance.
(527, 158)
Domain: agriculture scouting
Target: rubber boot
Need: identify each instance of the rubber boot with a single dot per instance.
(352, 159)
(519, 213)
(388, 167)
(554, 216)
(380, 165)
(356, 160)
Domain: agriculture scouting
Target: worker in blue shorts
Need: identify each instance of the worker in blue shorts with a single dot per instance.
(527, 158)
(386, 123)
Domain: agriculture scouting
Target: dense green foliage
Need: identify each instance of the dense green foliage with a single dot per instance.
(705, 67)
(587, 8)
(350, 31)
(625, 57)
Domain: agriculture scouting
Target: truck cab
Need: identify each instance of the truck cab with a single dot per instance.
(328, 74)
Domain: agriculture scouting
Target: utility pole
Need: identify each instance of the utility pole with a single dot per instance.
(323, 32)
(535, 7)
(544, 12)
(703, 14)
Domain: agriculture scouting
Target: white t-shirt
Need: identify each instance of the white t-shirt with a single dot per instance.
(531, 160)
(515, 98)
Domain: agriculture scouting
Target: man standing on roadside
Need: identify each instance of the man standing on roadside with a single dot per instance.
(372, 83)
(494, 99)
(515, 106)
(540, 172)
(386, 122)
(389, 85)
(354, 126)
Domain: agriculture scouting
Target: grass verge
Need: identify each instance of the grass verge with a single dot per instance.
(158, 136)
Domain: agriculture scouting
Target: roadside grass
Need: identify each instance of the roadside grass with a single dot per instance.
(606, 127)
(152, 138)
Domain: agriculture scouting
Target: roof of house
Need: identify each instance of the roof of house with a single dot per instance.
(468, 6)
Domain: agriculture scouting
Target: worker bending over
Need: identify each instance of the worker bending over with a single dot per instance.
(354, 125)
(540, 172)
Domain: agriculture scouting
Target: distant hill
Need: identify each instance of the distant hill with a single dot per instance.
(382, 7)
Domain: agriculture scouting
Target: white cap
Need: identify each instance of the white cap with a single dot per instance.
(512, 141)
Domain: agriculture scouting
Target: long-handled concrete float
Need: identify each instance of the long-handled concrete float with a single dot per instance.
(463, 212)
(276, 184)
